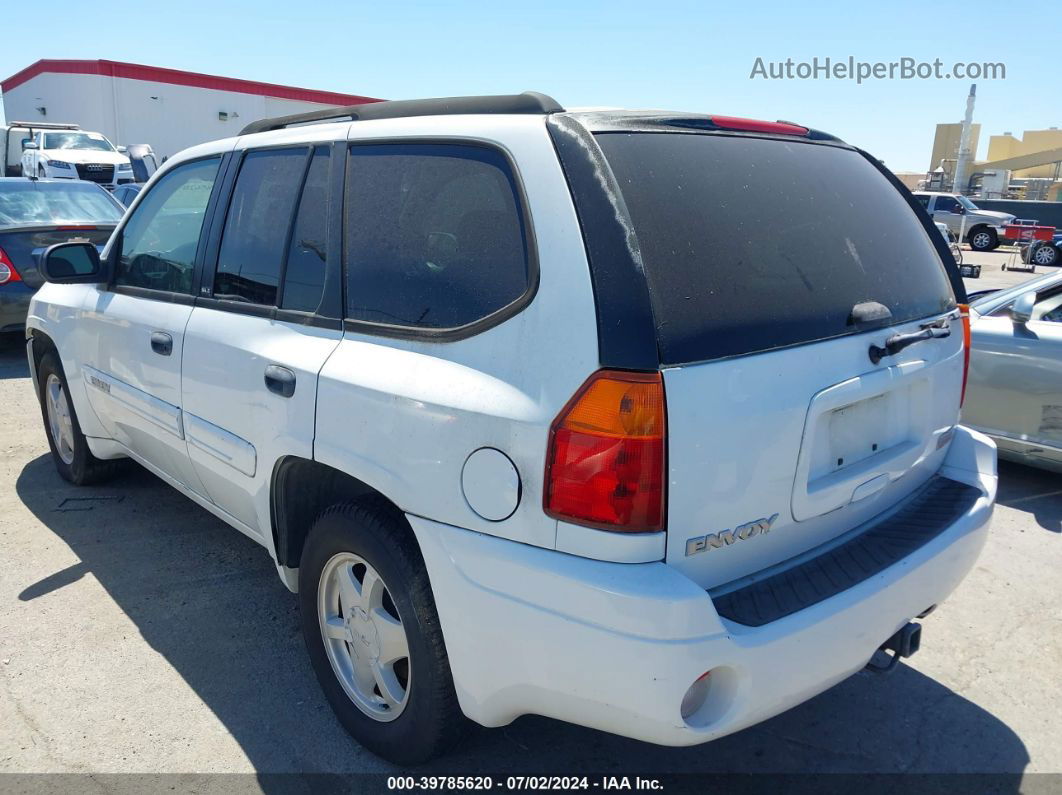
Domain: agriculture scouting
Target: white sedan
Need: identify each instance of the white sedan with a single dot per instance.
(74, 154)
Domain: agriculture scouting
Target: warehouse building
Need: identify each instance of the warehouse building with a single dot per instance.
(166, 108)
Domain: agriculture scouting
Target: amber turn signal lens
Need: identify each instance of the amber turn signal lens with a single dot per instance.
(606, 457)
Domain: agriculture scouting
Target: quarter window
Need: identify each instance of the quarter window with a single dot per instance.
(159, 240)
(307, 253)
(256, 227)
(433, 235)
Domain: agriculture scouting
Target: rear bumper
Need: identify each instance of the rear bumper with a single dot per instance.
(616, 646)
(14, 306)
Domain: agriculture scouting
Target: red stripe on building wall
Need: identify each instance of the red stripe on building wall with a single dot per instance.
(132, 71)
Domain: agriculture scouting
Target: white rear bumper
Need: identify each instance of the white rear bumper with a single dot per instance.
(615, 646)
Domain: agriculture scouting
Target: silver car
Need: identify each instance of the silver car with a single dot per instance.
(1014, 391)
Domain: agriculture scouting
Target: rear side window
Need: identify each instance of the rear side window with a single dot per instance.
(751, 244)
(433, 235)
(307, 252)
(254, 241)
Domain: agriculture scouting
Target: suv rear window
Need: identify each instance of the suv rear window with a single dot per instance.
(751, 244)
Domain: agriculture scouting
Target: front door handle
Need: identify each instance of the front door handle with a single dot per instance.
(280, 380)
(161, 343)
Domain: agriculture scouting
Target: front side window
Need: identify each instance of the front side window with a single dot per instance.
(433, 235)
(256, 227)
(159, 240)
(946, 204)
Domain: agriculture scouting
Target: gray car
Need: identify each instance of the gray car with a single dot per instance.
(1014, 391)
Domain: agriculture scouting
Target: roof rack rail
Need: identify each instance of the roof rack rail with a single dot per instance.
(530, 102)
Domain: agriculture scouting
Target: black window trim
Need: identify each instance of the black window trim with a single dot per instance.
(328, 313)
(482, 324)
(169, 296)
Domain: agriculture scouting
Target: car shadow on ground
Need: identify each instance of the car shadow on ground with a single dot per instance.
(13, 363)
(209, 601)
(1034, 491)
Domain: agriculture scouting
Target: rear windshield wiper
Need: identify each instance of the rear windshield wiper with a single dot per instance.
(897, 342)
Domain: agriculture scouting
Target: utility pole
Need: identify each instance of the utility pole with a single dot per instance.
(962, 161)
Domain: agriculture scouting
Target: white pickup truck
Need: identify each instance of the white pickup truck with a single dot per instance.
(76, 154)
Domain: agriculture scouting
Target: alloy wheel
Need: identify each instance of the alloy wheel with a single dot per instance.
(60, 420)
(364, 637)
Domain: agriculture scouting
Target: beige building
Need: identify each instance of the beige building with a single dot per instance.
(1001, 147)
(946, 145)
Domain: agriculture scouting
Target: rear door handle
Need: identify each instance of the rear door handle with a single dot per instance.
(280, 380)
(161, 343)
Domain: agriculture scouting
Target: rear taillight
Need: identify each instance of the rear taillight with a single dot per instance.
(964, 314)
(7, 269)
(605, 461)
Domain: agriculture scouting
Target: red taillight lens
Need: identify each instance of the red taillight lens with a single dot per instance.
(605, 462)
(964, 314)
(755, 125)
(7, 269)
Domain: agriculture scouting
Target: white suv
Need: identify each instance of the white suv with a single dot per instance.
(635, 420)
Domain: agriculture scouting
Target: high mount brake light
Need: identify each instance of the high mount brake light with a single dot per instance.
(606, 456)
(755, 125)
(7, 269)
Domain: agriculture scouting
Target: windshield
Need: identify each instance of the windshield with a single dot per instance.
(751, 244)
(77, 140)
(45, 203)
(969, 205)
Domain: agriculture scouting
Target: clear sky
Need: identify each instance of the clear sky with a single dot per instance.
(670, 54)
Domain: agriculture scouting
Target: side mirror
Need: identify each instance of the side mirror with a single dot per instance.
(960, 210)
(1021, 310)
(29, 145)
(72, 263)
(123, 149)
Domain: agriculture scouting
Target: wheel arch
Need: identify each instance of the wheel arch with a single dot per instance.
(300, 489)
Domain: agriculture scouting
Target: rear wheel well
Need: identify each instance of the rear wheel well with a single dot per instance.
(301, 490)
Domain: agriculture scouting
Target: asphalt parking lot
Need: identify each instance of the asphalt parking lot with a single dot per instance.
(140, 634)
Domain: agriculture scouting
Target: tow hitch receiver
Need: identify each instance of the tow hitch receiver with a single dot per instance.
(903, 644)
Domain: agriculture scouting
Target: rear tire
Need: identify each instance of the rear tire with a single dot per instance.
(70, 451)
(348, 633)
(983, 239)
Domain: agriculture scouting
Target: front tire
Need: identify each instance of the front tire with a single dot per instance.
(983, 239)
(372, 632)
(70, 451)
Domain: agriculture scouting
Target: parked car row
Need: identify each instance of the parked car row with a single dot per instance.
(523, 431)
(65, 151)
